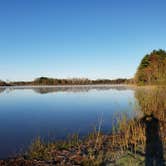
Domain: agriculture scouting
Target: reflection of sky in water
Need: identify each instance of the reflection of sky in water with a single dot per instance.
(26, 113)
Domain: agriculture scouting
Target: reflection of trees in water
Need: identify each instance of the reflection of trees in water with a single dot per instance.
(153, 104)
(43, 90)
(75, 89)
(2, 90)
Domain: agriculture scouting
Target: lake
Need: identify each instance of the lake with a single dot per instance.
(55, 112)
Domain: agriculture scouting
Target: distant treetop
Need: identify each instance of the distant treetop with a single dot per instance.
(152, 69)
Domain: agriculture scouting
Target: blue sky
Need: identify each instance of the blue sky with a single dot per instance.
(78, 38)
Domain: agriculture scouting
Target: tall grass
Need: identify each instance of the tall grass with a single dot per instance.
(128, 136)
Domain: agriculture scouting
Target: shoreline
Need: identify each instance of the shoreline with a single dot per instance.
(97, 149)
(69, 85)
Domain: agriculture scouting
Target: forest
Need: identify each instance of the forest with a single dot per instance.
(152, 69)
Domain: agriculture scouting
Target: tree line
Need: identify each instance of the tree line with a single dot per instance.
(152, 69)
(74, 81)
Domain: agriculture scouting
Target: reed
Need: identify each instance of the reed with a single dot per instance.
(125, 144)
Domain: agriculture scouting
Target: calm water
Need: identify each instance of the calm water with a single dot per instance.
(54, 112)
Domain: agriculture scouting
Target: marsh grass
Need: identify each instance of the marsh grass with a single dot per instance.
(126, 143)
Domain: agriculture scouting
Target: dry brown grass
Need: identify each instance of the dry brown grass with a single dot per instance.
(96, 149)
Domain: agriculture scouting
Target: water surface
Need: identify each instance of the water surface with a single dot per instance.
(54, 112)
